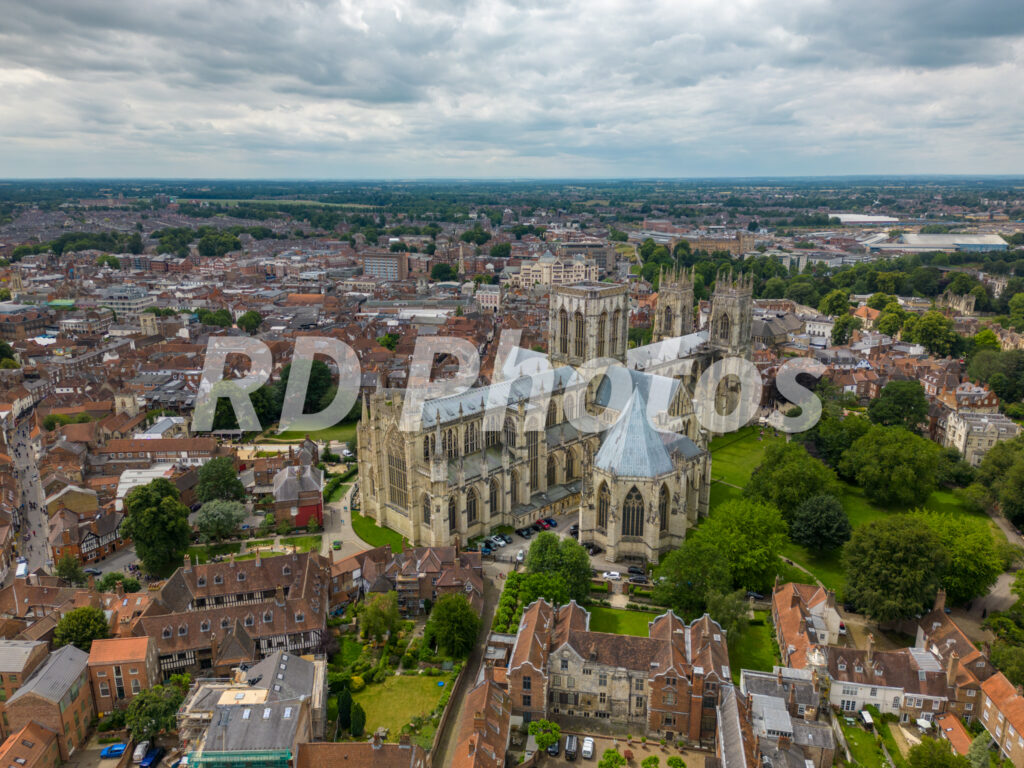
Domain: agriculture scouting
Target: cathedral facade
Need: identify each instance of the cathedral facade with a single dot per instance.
(470, 467)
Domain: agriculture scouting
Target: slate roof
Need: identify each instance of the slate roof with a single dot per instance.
(56, 675)
(14, 654)
(633, 447)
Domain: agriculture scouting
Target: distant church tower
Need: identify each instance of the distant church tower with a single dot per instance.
(673, 313)
(588, 321)
(731, 313)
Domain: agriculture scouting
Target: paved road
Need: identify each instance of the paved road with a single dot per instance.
(32, 538)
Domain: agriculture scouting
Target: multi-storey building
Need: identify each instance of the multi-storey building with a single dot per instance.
(18, 660)
(127, 301)
(550, 270)
(664, 685)
(121, 668)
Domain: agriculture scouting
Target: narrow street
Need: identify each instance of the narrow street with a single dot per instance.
(31, 538)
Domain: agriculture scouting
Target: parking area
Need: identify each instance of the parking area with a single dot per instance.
(88, 756)
(639, 750)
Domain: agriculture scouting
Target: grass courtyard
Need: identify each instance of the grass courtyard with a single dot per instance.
(754, 647)
(619, 622)
(735, 456)
(345, 432)
(367, 529)
(395, 702)
(205, 553)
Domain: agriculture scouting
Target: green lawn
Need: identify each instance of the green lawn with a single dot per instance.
(753, 648)
(338, 493)
(735, 456)
(303, 543)
(263, 555)
(863, 747)
(396, 701)
(347, 654)
(374, 535)
(619, 622)
(202, 554)
(344, 432)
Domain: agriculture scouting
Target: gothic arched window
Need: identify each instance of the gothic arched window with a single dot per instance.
(453, 511)
(570, 465)
(510, 432)
(471, 442)
(552, 418)
(633, 513)
(397, 485)
(471, 506)
(449, 443)
(563, 331)
(616, 325)
(495, 497)
(426, 509)
(578, 333)
(428, 447)
(552, 471)
(664, 499)
(602, 329)
(723, 327)
(513, 479)
(604, 504)
(667, 327)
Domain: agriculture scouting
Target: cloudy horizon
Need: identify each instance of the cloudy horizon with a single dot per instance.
(337, 89)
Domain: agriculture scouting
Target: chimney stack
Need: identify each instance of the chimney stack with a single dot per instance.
(188, 563)
(940, 600)
(279, 597)
(871, 648)
(119, 588)
(952, 669)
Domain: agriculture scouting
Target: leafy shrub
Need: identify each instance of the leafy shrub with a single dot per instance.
(356, 684)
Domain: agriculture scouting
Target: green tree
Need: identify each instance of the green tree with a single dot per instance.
(154, 711)
(774, 288)
(843, 328)
(70, 570)
(879, 301)
(219, 519)
(836, 302)
(547, 584)
(389, 341)
(454, 624)
(935, 332)
(820, 523)
(690, 574)
(893, 466)
(893, 567)
(357, 723)
(974, 555)
(442, 273)
(611, 758)
(749, 535)
(675, 761)
(501, 250)
(788, 475)
(986, 339)
(157, 521)
(900, 403)
(249, 321)
(218, 479)
(565, 557)
(1009, 659)
(651, 761)
(80, 626)
(109, 581)
(729, 610)
(935, 753)
(345, 709)
(889, 323)
(545, 733)
(379, 615)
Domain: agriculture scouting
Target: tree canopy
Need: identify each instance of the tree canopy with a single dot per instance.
(79, 627)
(564, 557)
(820, 523)
(157, 522)
(788, 476)
(900, 403)
(219, 519)
(894, 567)
(893, 466)
(454, 624)
(70, 570)
(155, 711)
(218, 479)
(379, 615)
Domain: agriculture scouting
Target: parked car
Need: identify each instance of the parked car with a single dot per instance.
(638, 580)
(636, 570)
(553, 749)
(842, 628)
(485, 550)
(496, 542)
(544, 524)
(113, 750)
(574, 529)
(536, 528)
(571, 746)
(520, 556)
(152, 758)
(552, 523)
(526, 533)
(335, 545)
(588, 748)
(611, 575)
(93, 571)
(755, 596)
(504, 537)
(140, 751)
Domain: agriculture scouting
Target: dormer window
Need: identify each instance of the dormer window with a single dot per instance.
(858, 669)
(167, 633)
(268, 617)
(241, 575)
(287, 570)
(842, 666)
(218, 579)
(183, 629)
(249, 620)
(300, 617)
(204, 626)
(225, 623)
(201, 581)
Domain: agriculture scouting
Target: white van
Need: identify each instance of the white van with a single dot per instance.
(140, 752)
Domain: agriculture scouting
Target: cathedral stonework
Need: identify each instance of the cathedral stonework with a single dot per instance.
(470, 467)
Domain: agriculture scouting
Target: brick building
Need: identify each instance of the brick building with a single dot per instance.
(121, 668)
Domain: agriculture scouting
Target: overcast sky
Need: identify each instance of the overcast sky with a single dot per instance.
(561, 88)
